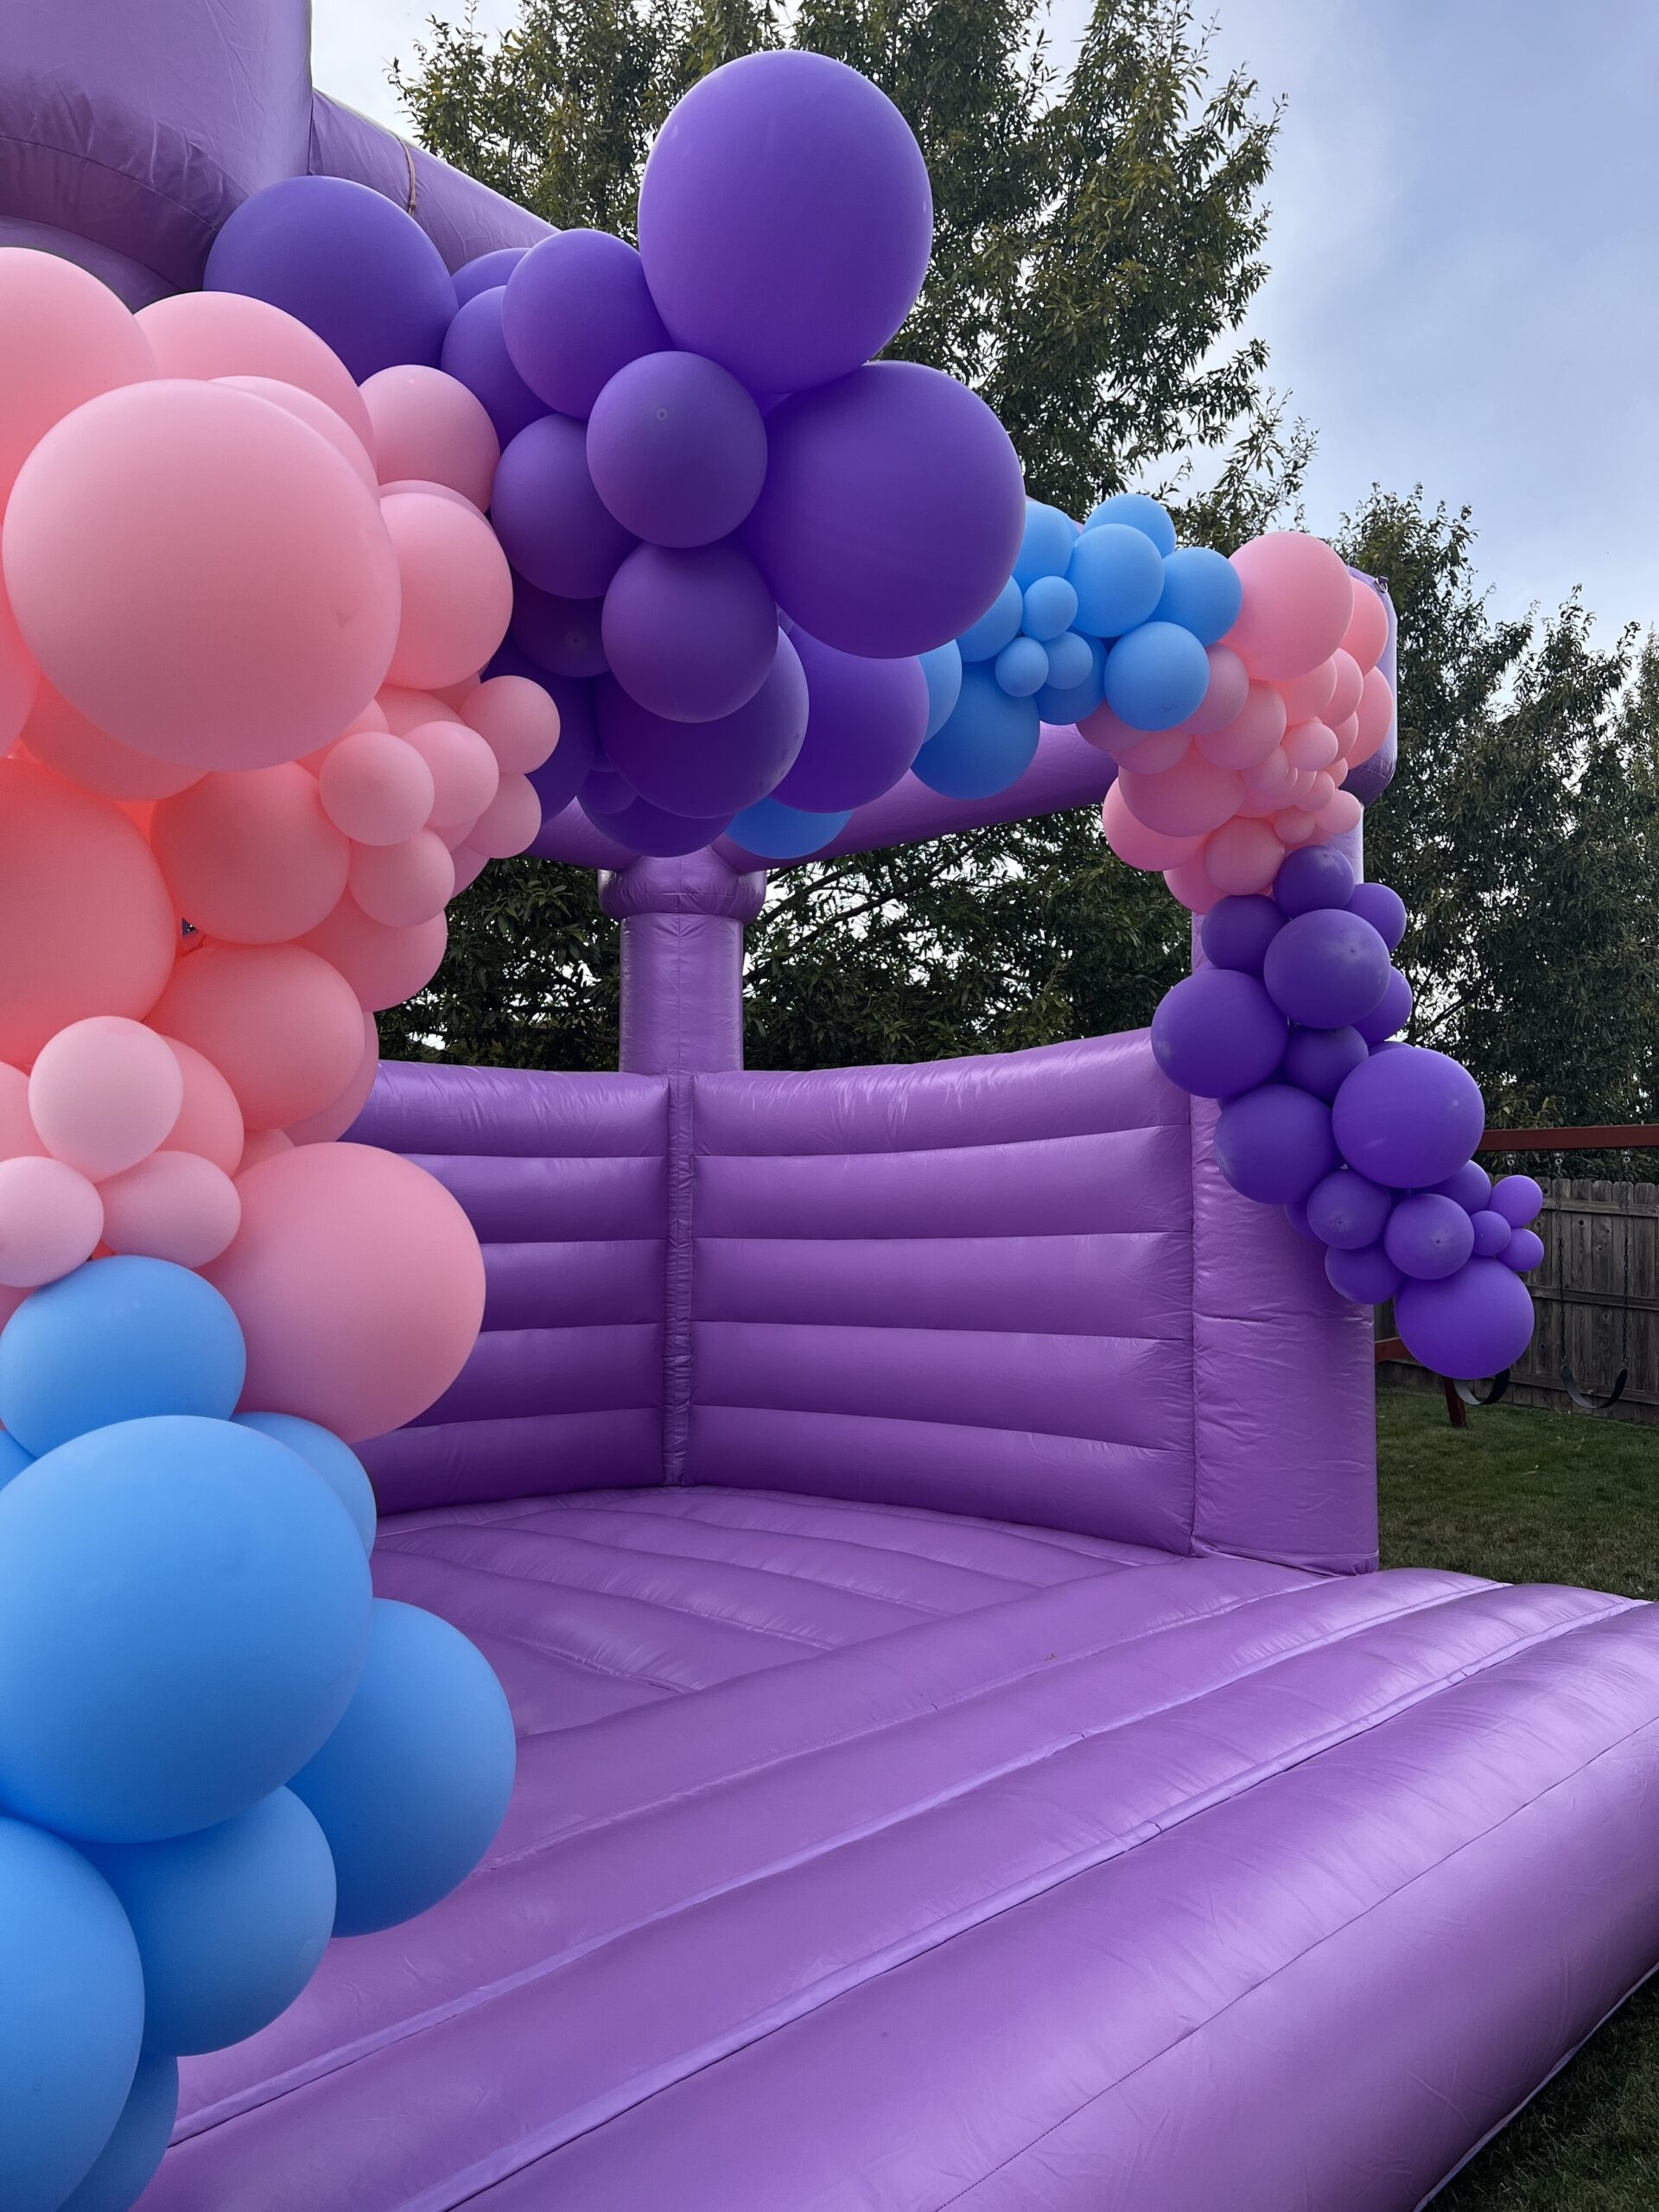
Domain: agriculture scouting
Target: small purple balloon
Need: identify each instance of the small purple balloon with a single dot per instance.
(1390, 1014)
(566, 769)
(1385, 910)
(1429, 1237)
(1409, 1118)
(552, 524)
(1321, 1060)
(560, 635)
(678, 450)
(487, 272)
(1472, 1324)
(1313, 877)
(1519, 1198)
(1217, 1033)
(714, 767)
(1369, 1276)
(1237, 933)
(651, 829)
(865, 726)
(1492, 1232)
(1296, 1215)
(578, 309)
(691, 634)
(475, 354)
(1325, 968)
(1274, 1143)
(1524, 1251)
(1347, 1211)
(1470, 1185)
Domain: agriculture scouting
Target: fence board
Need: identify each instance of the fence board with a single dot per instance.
(1596, 1295)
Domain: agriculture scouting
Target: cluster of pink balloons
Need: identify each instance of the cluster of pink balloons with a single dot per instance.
(245, 761)
(1296, 701)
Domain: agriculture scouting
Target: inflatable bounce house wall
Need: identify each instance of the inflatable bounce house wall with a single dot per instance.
(923, 1518)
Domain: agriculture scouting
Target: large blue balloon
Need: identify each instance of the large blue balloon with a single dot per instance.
(127, 2164)
(988, 744)
(773, 831)
(984, 639)
(1136, 510)
(1118, 578)
(13, 1458)
(1046, 547)
(1059, 703)
(72, 2012)
(117, 1340)
(943, 669)
(412, 1785)
(1202, 593)
(1157, 676)
(333, 1458)
(184, 1609)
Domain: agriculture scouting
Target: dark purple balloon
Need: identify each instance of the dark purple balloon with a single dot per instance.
(893, 508)
(786, 220)
(487, 272)
(1471, 1324)
(865, 726)
(1348, 1210)
(1470, 1185)
(552, 524)
(578, 309)
(1296, 1214)
(1325, 968)
(1321, 1060)
(1217, 1033)
(1237, 933)
(1518, 1198)
(562, 774)
(1524, 1251)
(1409, 1118)
(560, 635)
(1370, 1277)
(475, 354)
(1385, 910)
(689, 633)
(678, 450)
(652, 830)
(1313, 877)
(1492, 1232)
(1274, 1143)
(1429, 1237)
(713, 767)
(1390, 1014)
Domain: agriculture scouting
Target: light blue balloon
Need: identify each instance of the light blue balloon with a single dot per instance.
(412, 1785)
(13, 1458)
(184, 1609)
(1000, 622)
(1071, 659)
(126, 2166)
(1046, 546)
(1156, 677)
(72, 2012)
(1118, 577)
(1021, 668)
(1202, 593)
(117, 1340)
(773, 831)
(1137, 510)
(942, 669)
(1076, 700)
(986, 745)
(230, 1922)
(1051, 607)
(335, 1461)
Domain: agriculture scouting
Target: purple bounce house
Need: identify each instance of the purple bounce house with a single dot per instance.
(925, 1522)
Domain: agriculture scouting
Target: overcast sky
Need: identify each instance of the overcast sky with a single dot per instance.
(1465, 251)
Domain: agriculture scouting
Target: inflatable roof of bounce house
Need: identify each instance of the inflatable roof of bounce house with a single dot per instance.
(697, 1637)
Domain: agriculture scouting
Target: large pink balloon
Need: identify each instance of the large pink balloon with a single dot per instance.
(51, 1219)
(210, 1121)
(1242, 857)
(1254, 732)
(103, 1093)
(1341, 812)
(61, 738)
(279, 1023)
(1349, 682)
(229, 335)
(20, 677)
(509, 824)
(457, 589)
(1133, 841)
(316, 415)
(1185, 801)
(1311, 745)
(400, 885)
(376, 788)
(383, 966)
(1368, 628)
(336, 1118)
(359, 1284)
(69, 340)
(175, 1206)
(429, 428)
(1229, 684)
(1189, 884)
(86, 926)
(251, 858)
(201, 575)
(17, 1131)
(465, 774)
(517, 720)
(1375, 717)
(1307, 697)
(1298, 601)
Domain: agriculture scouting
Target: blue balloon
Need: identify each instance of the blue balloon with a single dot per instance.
(1071, 660)
(1050, 606)
(1046, 546)
(1202, 593)
(335, 1461)
(485, 272)
(1156, 677)
(118, 1339)
(230, 1922)
(411, 1787)
(1118, 577)
(773, 831)
(1071, 703)
(1000, 622)
(942, 669)
(13, 1458)
(986, 745)
(184, 1609)
(72, 2012)
(1022, 668)
(125, 2166)
(1137, 510)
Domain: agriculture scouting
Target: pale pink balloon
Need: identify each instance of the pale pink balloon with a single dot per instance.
(1243, 856)
(1346, 691)
(86, 926)
(377, 788)
(1139, 847)
(1185, 801)
(456, 696)
(202, 575)
(1306, 698)
(465, 775)
(1159, 749)
(336, 1118)
(429, 428)
(1341, 812)
(1190, 886)
(469, 866)
(70, 340)
(279, 1023)
(51, 1219)
(317, 415)
(210, 1121)
(1259, 806)
(405, 710)
(1229, 684)
(175, 1206)
(1347, 737)
(457, 589)
(1298, 603)
(383, 966)
(61, 738)
(20, 678)
(103, 1093)
(1301, 783)
(1295, 826)
(510, 823)
(402, 884)
(359, 1284)
(251, 858)
(1368, 628)
(1311, 745)
(517, 720)
(1274, 775)
(213, 334)
(1376, 718)
(1252, 735)
(18, 1135)
(263, 1145)
(1104, 730)
(1320, 791)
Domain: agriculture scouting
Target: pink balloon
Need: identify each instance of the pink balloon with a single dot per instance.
(263, 1145)
(1306, 698)
(377, 788)
(1274, 776)
(61, 738)
(437, 491)
(1311, 745)
(1107, 735)
(1185, 801)
(200, 574)
(103, 1093)
(1295, 827)
(86, 926)
(1229, 684)
(1135, 844)
(51, 1219)
(517, 720)
(405, 710)
(400, 885)
(510, 823)
(1346, 691)
(71, 340)
(1242, 857)
(465, 775)
(202, 334)
(469, 866)
(317, 415)
(251, 858)
(175, 1206)
(1347, 737)
(210, 1121)
(1368, 626)
(1158, 750)
(336, 1118)
(279, 1023)
(18, 1135)
(457, 589)
(383, 966)
(1320, 791)
(359, 1284)
(1375, 717)
(1298, 601)
(1191, 886)
(1341, 812)
(429, 428)
(1252, 735)
(20, 678)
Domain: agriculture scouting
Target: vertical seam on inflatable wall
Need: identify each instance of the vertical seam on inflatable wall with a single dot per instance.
(1194, 1396)
(676, 1279)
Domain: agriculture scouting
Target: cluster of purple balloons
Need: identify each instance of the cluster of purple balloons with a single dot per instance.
(1366, 1141)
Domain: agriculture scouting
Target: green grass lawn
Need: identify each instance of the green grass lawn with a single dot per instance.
(1531, 1496)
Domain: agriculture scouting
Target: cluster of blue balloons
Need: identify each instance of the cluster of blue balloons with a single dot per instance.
(217, 1747)
(1366, 1141)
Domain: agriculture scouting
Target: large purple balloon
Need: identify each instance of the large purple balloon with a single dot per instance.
(1385, 910)
(1348, 1210)
(865, 725)
(1474, 1323)
(691, 634)
(577, 310)
(1217, 1033)
(560, 635)
(893, 510)
(552, 524)
(348, 262)
(714, 767)
(1409, 1118)
(475, 354)
(1327, 968)
(1390, 1014)
(487, 272)
(678, 450)
(1470, 1185)
(653, 829)
(1237, 933)
(1321, 1060)
(1275, 1144)
(786, 220)
(1429, 1237)
(1313, 877)
(562, 774)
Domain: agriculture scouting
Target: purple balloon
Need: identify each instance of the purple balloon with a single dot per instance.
(1217, 1033)
(1313, 877)
(1321, 1060)
(1385, 910)
(1409, 1118)
(1492, 1232)
(1237, 933)
(475, 354)
(1470, 1185)
(652, 830)
(1325, 968)
(1274, 1143)
(1471, 1324)
(564, 771)
(1524, 1251)
(1390, 1014)
(689, 633)
(1369, 1276)
(1347, 1211)
(1296, 1214)
(348, 262)
(560, 635)
(785, 220)
(893, 510)
(1518, 1198)
(552, 524)
(678, 450)
(714, 767)
(1429, 1237)
(578, 309)
(487, 272)
(865, 726)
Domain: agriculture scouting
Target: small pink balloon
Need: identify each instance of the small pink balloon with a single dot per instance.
(469, 866)
(1368, 626)
(279, 1023)
(1349, 683)
(510, 823)
(457, 589)
(429, 428)
(1320, 791)
(377, 788)
(336, 1118)
(1347, 737)
(213, 334)
(1295, 827)
(405, 710)
(18, 1135)
(251, 858)
(61, 738)
(20, 678)
(175, 1206)
(1306, 698)
(210, 1121)
(1158, 750)
(71, 340)
(517, 720)
(465, 775)
(1259, 806)
(1341, 812)
(103, 1093)
(437, 491)
(1137, 845)
(1298, 603)
(400, 885)
(1274, 776)
(51, 1219)
(1376, 718)
(1229, 684)
(263, 1145)
(1252, 735)
(317, 415)
(1242, 857)
(1107, 735)
(1301, 783)
(1185, 801)
(1190, 886)
(1311, 745)
(359, 1284)
(383, 966)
